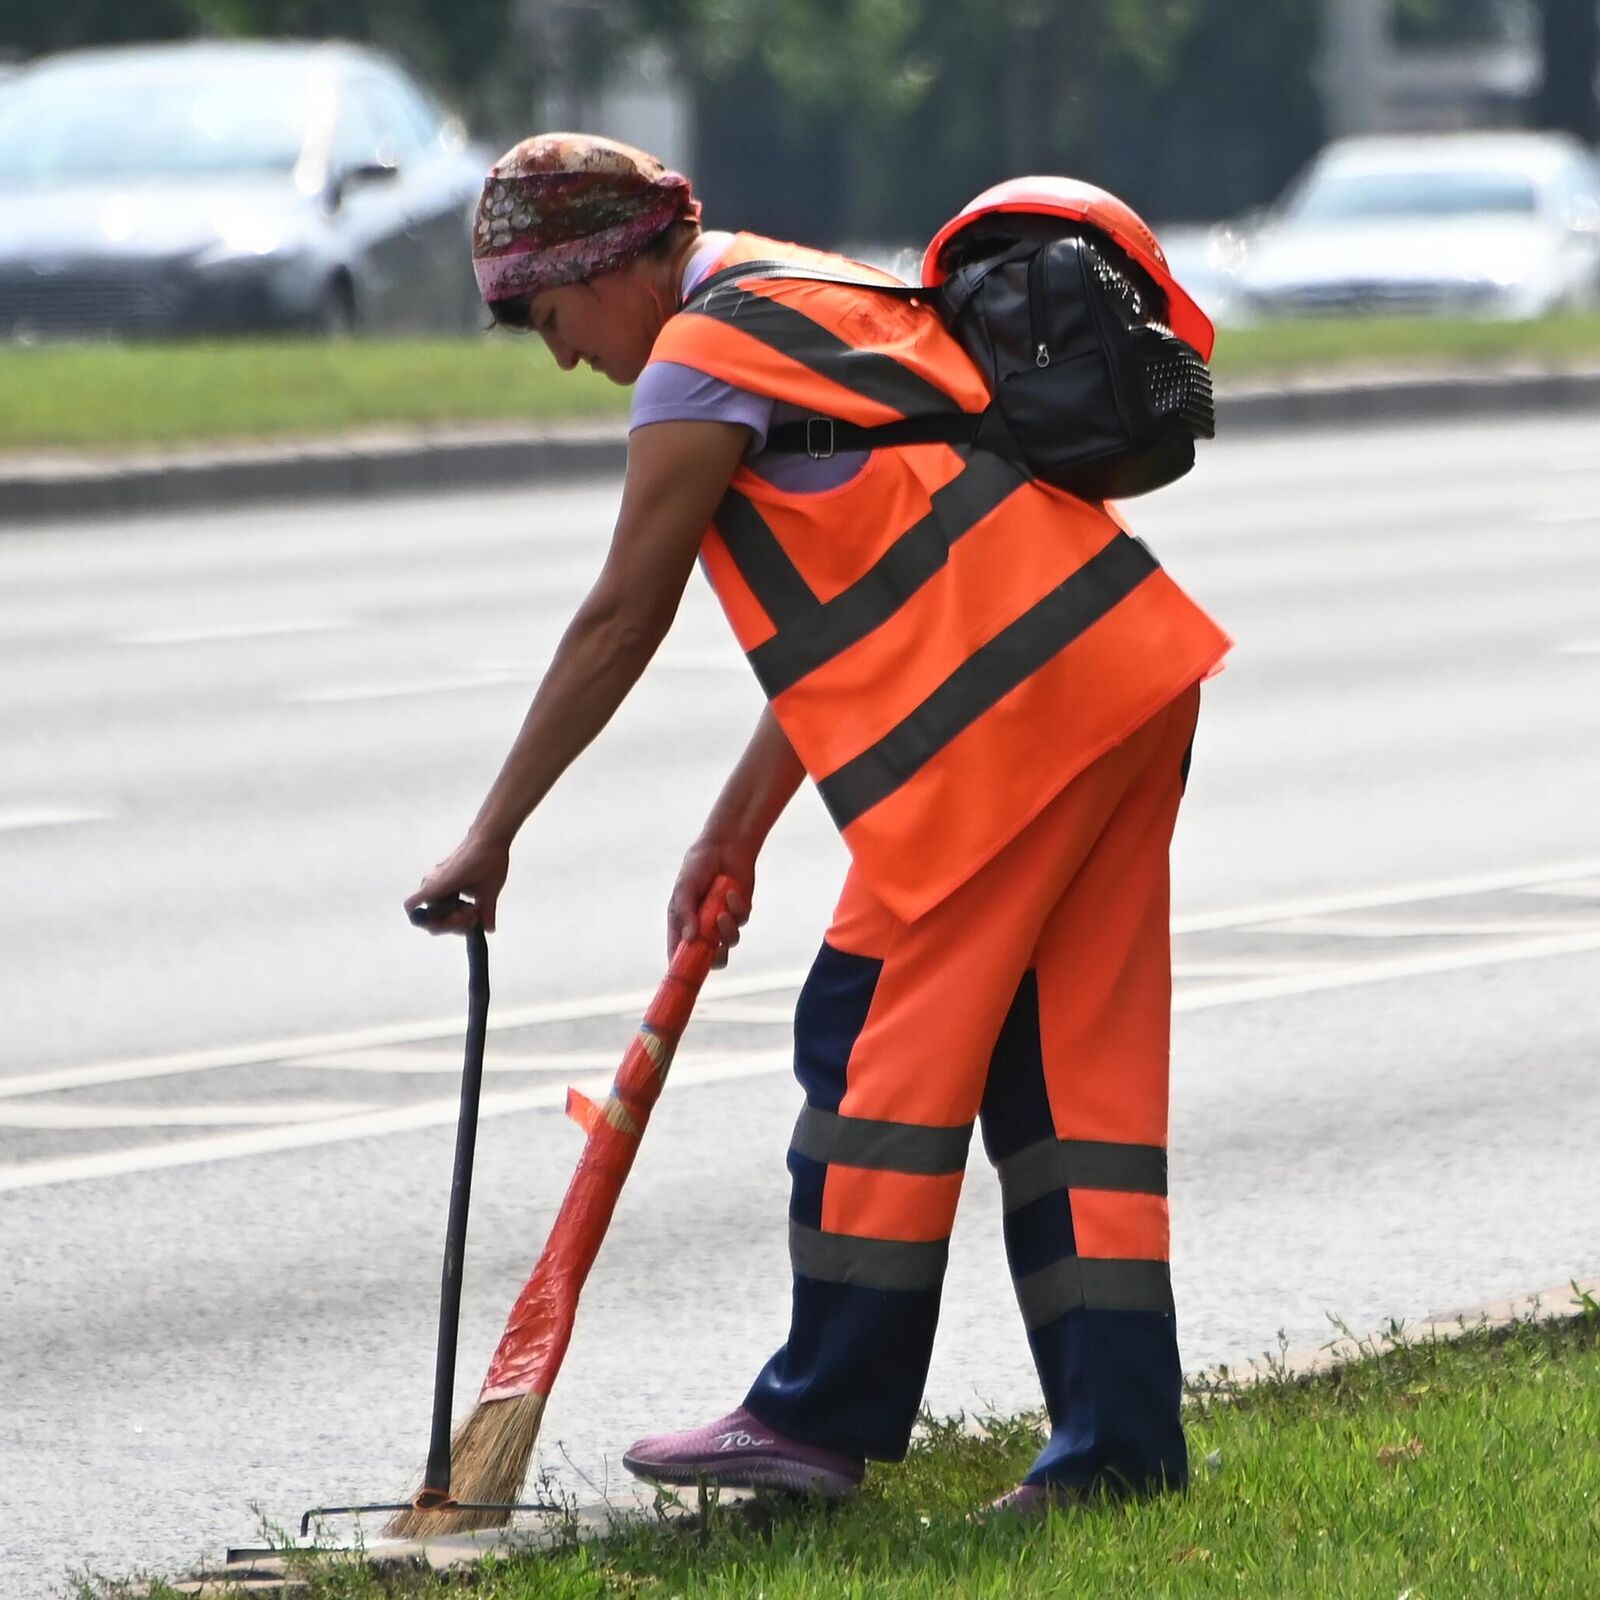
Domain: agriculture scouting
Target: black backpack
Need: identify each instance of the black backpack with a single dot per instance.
(1089, 391)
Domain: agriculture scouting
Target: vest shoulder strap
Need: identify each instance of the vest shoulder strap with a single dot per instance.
(789, 269)
(821, 437)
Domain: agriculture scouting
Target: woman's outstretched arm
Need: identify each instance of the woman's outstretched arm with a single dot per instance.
(677, 475)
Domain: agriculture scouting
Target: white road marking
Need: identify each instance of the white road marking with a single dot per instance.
(1585, 647)
(701, 661)
(402, 1119)
(29, 1114)
(50, 817)
(584, 1008)
(1250, 967)
(449, 683)
(533, 666)
(710, 1067)
(697, 1069)
(1578, 889)
(1563, 878)
(424, 1061)
(717, 1012)
(1567, 514)
(1366, 900)
(1486, 955)
(226, 631)
(1402, 928)
(670, 658)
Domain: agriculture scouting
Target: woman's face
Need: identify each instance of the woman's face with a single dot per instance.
(610, 321)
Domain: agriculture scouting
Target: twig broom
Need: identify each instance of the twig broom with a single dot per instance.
(491, 1450)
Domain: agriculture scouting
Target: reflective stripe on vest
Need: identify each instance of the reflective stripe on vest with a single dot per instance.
(810, 632)
(874, 377)
(945, 642)
(986, 677)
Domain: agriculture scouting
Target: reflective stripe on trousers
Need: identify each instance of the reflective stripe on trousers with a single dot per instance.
(1037, 997)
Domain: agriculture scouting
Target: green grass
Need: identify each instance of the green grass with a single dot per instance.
(1437, 1471)
(107, 397)
(1276, 349)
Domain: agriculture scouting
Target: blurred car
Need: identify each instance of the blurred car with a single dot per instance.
(1198, 256)
(223, 188)
(1487, 224)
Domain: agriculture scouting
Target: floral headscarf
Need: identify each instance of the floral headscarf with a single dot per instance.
(561, 207)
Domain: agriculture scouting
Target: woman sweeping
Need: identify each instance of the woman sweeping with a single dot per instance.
(995, 688)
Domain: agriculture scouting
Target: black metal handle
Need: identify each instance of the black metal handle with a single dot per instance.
(436, 1476)
(432, 912)
(435, 1491)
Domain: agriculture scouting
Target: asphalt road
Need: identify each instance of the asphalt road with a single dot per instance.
(233, 743)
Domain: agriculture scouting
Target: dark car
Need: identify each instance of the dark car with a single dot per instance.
(221, 188)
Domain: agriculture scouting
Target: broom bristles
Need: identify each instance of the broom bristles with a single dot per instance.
(489, 1457)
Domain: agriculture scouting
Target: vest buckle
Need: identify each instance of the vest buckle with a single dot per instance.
(819, 438)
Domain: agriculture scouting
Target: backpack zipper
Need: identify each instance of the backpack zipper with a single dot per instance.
(1038, 304)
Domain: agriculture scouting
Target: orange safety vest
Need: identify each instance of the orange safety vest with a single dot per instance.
(946, 642)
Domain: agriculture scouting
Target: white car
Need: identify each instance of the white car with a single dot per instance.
(1475, 224)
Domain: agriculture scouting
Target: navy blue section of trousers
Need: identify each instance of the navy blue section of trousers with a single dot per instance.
(828, 1018)
(1112, 1382)
(1113, 1388)
(805, 1189)
(1016, 1114)
(1039, 1234)
(851, 1376)
(1016, 1109)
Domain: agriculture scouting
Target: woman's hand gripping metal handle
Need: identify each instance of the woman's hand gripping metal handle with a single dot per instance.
(436, 1477)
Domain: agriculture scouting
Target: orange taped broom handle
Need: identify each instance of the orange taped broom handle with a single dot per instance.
(669, 1012)
(535, 1339)
(705, 937)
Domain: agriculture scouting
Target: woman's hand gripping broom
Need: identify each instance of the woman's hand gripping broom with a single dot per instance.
(492, 1448)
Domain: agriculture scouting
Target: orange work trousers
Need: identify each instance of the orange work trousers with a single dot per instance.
(1037, 997)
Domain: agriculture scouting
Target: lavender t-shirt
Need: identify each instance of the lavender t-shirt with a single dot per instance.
(670, 392)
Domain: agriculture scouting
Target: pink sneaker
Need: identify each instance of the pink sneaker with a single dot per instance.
(739, 1452)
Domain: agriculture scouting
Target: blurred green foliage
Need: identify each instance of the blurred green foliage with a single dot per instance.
(445, 38)
(844, 120)
(461, 46)
(30, 27)
(1448, 21)
(871, 115)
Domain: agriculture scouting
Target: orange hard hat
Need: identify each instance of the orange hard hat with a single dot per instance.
(1095, 207)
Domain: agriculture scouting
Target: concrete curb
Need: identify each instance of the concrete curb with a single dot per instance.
(268, 1572)
(1412, 397)
(1309, 1361)
(363, 465)
(69, 485)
